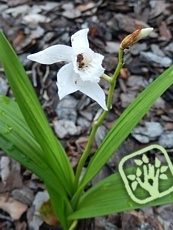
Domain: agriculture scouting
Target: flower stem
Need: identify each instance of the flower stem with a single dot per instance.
(74, 225)
(114, 78)
(106, 77)
(97, 123)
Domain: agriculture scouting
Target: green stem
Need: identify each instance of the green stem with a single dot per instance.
(74, 225)
(114, 78)
(106, 77)
(97, 123)
(119, 66)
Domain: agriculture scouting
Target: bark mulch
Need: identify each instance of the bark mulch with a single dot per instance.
(32, 26)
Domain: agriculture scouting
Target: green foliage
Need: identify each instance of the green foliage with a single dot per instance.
(109, 196)
(30, 107)
(52, 154)
(17, 140)
(126, 122)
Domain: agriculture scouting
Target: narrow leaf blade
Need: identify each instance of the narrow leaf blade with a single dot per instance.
(54, 154)
(110, 196)
(18, 142)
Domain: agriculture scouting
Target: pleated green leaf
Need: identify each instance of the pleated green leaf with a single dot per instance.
(15, 131)
(110, 196)
(18, 142)
(125, 124)
(54, 154)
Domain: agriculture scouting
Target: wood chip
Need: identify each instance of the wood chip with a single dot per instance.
(13, 207)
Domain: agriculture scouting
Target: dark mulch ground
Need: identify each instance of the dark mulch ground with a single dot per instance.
(32, 26)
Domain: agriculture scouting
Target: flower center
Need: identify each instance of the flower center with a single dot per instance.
(83, 61)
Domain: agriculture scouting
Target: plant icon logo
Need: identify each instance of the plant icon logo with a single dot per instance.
(144, 184)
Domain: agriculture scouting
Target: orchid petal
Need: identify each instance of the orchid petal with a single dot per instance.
(144, 33)
(94, 91)
(79, 40)
(53, 54)
(94, 70)
(66, 84)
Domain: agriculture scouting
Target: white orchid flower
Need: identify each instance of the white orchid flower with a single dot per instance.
(83, 70)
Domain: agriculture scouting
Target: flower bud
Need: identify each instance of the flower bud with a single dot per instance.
(134, 37)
